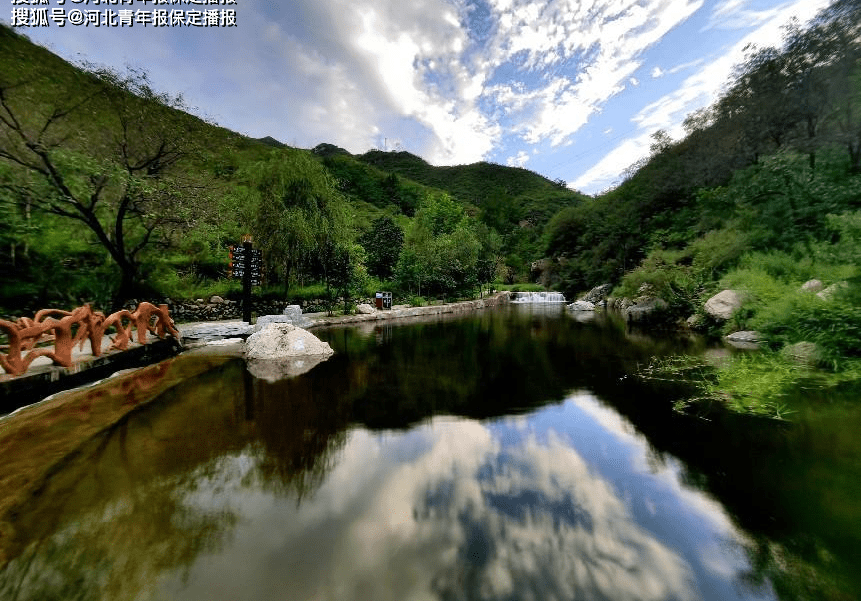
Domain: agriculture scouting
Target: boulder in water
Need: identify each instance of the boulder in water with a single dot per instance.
(598, 293)
(281, 340)
(581, 305)
(282, 350)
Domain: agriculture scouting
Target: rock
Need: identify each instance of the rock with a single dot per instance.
(812, 286)
(299, 320)
(645, 309)
(695, 321)
(623, 303)
(646, 289)
(215, 300)
(724, 303)
(581, 305)
(598, 293)
(745, 339)
(832, 290)
(284, 340)
(744, 336)
(281, 350)
(292, 310)
(801, 353)
(273, 370)
(206, 332)
(365, 309)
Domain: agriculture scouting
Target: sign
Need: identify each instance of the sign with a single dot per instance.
(237, 264)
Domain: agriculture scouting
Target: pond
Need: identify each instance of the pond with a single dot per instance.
(508, 454)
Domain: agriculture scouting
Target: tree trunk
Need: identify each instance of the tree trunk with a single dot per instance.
(129, 284)
(854, 158)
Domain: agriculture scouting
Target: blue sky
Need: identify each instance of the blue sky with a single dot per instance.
(571, 89)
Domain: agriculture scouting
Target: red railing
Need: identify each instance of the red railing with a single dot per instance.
(68, 328)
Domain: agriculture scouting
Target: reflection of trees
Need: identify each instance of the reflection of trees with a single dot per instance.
(129, 504)
(777, 480)
(299, 424)
(486, 365)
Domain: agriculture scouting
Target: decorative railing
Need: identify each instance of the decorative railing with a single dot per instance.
(68, 328)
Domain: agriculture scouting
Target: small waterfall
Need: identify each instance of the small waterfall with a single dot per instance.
(537, 297)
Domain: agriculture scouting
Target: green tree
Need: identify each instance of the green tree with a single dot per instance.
(104, 150)
(383, 245)
(301, 218)
(441, 249)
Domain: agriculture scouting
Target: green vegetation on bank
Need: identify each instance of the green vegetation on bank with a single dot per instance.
(112, 190)
(770, 201)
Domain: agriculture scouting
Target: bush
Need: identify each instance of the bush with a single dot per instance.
(834, 325)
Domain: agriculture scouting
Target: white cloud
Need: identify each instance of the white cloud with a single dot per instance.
(700, 89)
(606, 39)
(657, 72)
(519, 160)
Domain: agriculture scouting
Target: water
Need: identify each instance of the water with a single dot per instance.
(537, 297)
(505, 455)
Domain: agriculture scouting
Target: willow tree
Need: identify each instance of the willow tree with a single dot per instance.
(301, 218)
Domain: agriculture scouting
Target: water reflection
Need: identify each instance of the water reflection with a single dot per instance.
(356, 481)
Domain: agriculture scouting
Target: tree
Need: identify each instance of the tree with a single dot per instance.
(383, 246)
(348, 275)
(440, 249)
(301, 218)
(102, 149)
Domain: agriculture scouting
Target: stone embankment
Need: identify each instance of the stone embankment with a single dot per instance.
(218, 309)
(402, 312)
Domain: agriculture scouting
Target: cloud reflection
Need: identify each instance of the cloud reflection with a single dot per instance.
(446, 511)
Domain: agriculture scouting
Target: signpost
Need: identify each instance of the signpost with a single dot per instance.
(246, 264)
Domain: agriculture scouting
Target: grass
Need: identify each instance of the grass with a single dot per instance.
(764, 383)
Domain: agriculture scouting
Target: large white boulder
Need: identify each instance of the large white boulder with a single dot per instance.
(581, 305)
(724, 303)
(282, 350)
(280, 340)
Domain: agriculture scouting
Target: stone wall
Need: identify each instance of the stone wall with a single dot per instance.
(461, 307)
(218, 309)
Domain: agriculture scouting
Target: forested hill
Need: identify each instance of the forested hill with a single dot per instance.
(758, 171)
(135, 197)
(508, 197)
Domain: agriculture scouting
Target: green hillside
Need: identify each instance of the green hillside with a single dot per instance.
(762, 196)
(112, 190)
(508, 195)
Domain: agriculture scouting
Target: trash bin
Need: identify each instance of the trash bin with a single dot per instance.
(383, 300)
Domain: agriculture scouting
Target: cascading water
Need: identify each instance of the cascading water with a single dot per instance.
(537, 297)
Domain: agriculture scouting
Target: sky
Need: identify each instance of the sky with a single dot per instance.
(570, 89)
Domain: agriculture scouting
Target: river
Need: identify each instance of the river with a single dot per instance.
(507, 454)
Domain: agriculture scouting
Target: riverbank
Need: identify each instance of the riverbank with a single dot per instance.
(202, 332)
(44, 379)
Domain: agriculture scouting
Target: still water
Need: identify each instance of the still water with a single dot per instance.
(510, 454)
